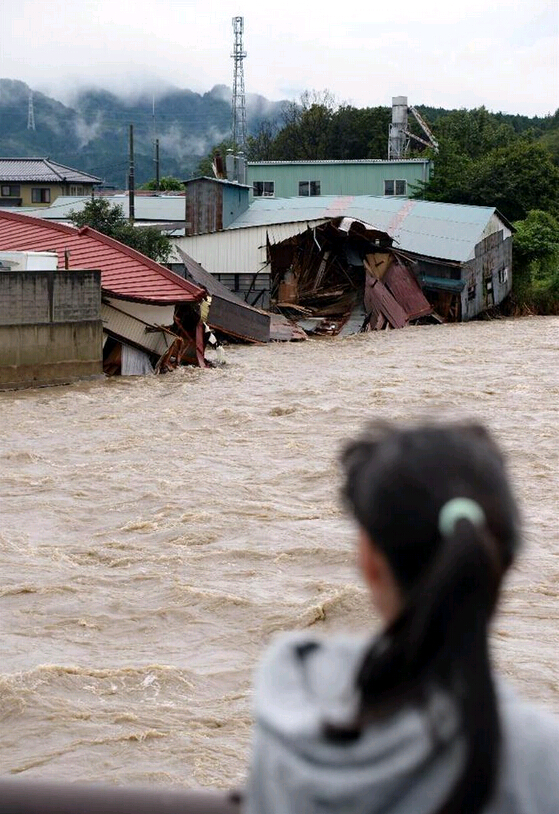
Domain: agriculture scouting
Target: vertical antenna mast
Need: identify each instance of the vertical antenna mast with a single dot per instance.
(239, 116)
(30, 113)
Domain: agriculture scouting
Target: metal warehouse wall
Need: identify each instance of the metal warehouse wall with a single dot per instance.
(347, 178)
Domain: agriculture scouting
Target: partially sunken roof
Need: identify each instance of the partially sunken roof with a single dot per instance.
(125, 273)
(428, 228)
(43, 171)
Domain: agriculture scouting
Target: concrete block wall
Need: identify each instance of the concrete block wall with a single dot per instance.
(50, 327)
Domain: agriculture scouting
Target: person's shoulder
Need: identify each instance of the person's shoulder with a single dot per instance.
(301, 674)
(297, 651)
(526, 721)
(530, 754)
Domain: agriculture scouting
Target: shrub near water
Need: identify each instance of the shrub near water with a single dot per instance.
(536, 264)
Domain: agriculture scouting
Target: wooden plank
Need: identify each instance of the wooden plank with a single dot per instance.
(379, 299)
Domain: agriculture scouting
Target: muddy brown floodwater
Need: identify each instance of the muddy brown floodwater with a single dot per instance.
(156, 532)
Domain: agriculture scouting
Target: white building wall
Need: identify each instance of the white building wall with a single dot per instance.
(238, 251)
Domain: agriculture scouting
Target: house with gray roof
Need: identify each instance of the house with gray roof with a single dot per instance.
(40, 181)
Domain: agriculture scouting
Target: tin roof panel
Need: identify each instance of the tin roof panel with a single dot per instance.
(433, 229)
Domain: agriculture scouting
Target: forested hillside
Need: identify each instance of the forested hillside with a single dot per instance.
(93, 133)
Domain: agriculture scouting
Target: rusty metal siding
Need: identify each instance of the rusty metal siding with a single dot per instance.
(204, 207)
(407, 291)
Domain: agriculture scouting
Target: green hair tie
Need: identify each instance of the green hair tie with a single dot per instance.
(459, 508)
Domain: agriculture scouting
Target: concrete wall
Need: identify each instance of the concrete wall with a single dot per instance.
(50, 327)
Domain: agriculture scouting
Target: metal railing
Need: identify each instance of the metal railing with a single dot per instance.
(45, 797)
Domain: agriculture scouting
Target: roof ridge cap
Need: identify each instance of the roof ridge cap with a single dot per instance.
(46, 224)
(88, 231)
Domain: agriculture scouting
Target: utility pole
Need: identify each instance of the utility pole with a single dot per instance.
(131, 178)
(238, 106)
(157, 164)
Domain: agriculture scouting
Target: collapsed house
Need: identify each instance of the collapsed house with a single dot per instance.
(343, 277)
(462, 254)
(151, 316)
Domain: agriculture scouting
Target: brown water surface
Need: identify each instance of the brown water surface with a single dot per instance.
(156, 532)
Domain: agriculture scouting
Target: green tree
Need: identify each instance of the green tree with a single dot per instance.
(104, 217)
(474, 132)
(168, 183)
(305, 127)
(514, 179)
(358, 133)
(536, 237)
(260, 146)
(536, 263)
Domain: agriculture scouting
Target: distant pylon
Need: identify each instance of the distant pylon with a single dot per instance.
(30, 114)
(238, 107)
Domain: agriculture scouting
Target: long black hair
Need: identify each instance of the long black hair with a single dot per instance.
(397, 481)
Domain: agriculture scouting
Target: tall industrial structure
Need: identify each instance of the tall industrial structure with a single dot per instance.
(30, 113)
(238, 105)
(399, 134)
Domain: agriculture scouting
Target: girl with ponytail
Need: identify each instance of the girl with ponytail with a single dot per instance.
(412, 721)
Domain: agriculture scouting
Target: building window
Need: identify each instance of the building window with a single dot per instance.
(263, 189)
(503, 275)
(10, 190)
(307, 188)
(395, 187)
(471, 292)
(40, 195)
(76, 191)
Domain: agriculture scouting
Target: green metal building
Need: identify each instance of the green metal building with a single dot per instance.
(288, 179)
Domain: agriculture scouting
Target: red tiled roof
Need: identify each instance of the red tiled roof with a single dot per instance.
(125, 273)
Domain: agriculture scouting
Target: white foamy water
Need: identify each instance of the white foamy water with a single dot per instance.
(155, 532)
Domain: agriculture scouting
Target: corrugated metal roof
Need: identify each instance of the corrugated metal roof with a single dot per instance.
(164, 209)
(339, 161)
(427, 228)
(125, 272)
(223, 181)
(42, 170)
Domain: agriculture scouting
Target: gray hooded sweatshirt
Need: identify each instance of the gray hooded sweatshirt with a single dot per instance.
(405, 764)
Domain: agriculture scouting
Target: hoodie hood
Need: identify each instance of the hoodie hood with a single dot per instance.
(306, 683)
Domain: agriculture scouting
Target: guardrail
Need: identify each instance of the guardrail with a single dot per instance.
(45, 797)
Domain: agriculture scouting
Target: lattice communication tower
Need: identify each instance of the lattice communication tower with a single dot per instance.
(238, 105)
(30, 114)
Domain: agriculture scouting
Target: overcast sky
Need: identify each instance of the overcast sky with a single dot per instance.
(498, 53)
